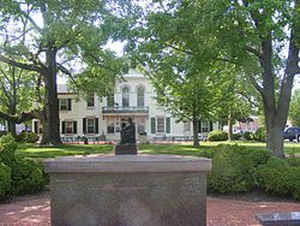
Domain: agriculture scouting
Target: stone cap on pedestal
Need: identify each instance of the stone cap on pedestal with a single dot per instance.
(127, 164)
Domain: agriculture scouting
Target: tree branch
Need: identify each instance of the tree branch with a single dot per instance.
(29, 67)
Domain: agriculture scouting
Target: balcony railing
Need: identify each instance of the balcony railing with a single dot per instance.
(121, 109)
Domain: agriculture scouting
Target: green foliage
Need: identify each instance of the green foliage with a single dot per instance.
(27, 137)
(260, 135)
(248, 135)
(5, 181)
(8, 148)
(279, 178)
(236, 136)
(24, 176)
(27, 177)
(2, 133)
(234, 168)
(217, 135)
(294, 110)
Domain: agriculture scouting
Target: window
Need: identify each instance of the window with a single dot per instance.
(110, 100)
(160, 124)
(125, 96)
(140, 96)
(187, 127)
(91, 100)
(91, 125)
(63, 104)
(204, 126)
(69, 127)
(111, 128)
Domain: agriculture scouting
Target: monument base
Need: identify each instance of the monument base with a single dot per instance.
(125, 149)
(128, 190)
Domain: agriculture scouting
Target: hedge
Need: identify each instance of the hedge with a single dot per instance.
(18, 176)
(217, 135)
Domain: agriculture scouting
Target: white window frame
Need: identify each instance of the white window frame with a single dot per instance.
(63, 102)
(125, 96)
(160, 127)
(140, 96)
(67, 125)
(89, 103)
(205, 126)
(93, 125)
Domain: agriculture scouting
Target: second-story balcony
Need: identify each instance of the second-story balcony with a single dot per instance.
(124, 110)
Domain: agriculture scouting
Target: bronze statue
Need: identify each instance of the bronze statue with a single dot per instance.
(128, 133)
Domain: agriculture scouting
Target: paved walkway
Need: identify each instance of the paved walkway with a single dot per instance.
(35, 210)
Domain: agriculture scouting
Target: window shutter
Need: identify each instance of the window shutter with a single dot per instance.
(58, 104)
(63, 128)
(168, 125)
(84, 125)
(36, 127)
(75, 127)
(200, 128)
(153, 129)
(96, 125)
(211, 127)
(69, 104)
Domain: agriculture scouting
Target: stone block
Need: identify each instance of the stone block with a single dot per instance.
(128, 190)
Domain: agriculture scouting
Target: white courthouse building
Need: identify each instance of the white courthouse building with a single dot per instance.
(102, 118)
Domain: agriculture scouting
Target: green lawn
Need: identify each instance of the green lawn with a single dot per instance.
(33, 151)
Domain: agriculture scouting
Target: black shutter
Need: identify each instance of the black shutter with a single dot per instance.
(36, 127)
(211, 127)
(75, 127)
(153, 129)
(96, 125)
(63, 128)
(69, 104)
(168, 125)
(200, 129)
(58, 104)
(84, 125)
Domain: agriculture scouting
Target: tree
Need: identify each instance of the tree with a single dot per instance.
(251, 34)
(16, 93)
(54, 36)
(294, 111)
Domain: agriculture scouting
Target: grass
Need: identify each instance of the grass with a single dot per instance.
(33, 151)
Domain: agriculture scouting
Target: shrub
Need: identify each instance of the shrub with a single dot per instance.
(234, 168)
(28, 177)
(248, 135)
(2, 133)
(274, 176)
(8, 147)
(27, 137)
(236, 136)
(217, 135)
(5, 181)
(260, 135)
(294, 182)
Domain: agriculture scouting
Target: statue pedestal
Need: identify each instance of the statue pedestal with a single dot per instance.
(125, 149)
(128, 190)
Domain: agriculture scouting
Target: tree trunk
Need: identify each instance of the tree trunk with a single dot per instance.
(274, 137)
(51, 133)
(12, 127)
(195, 132)
(229, 128)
